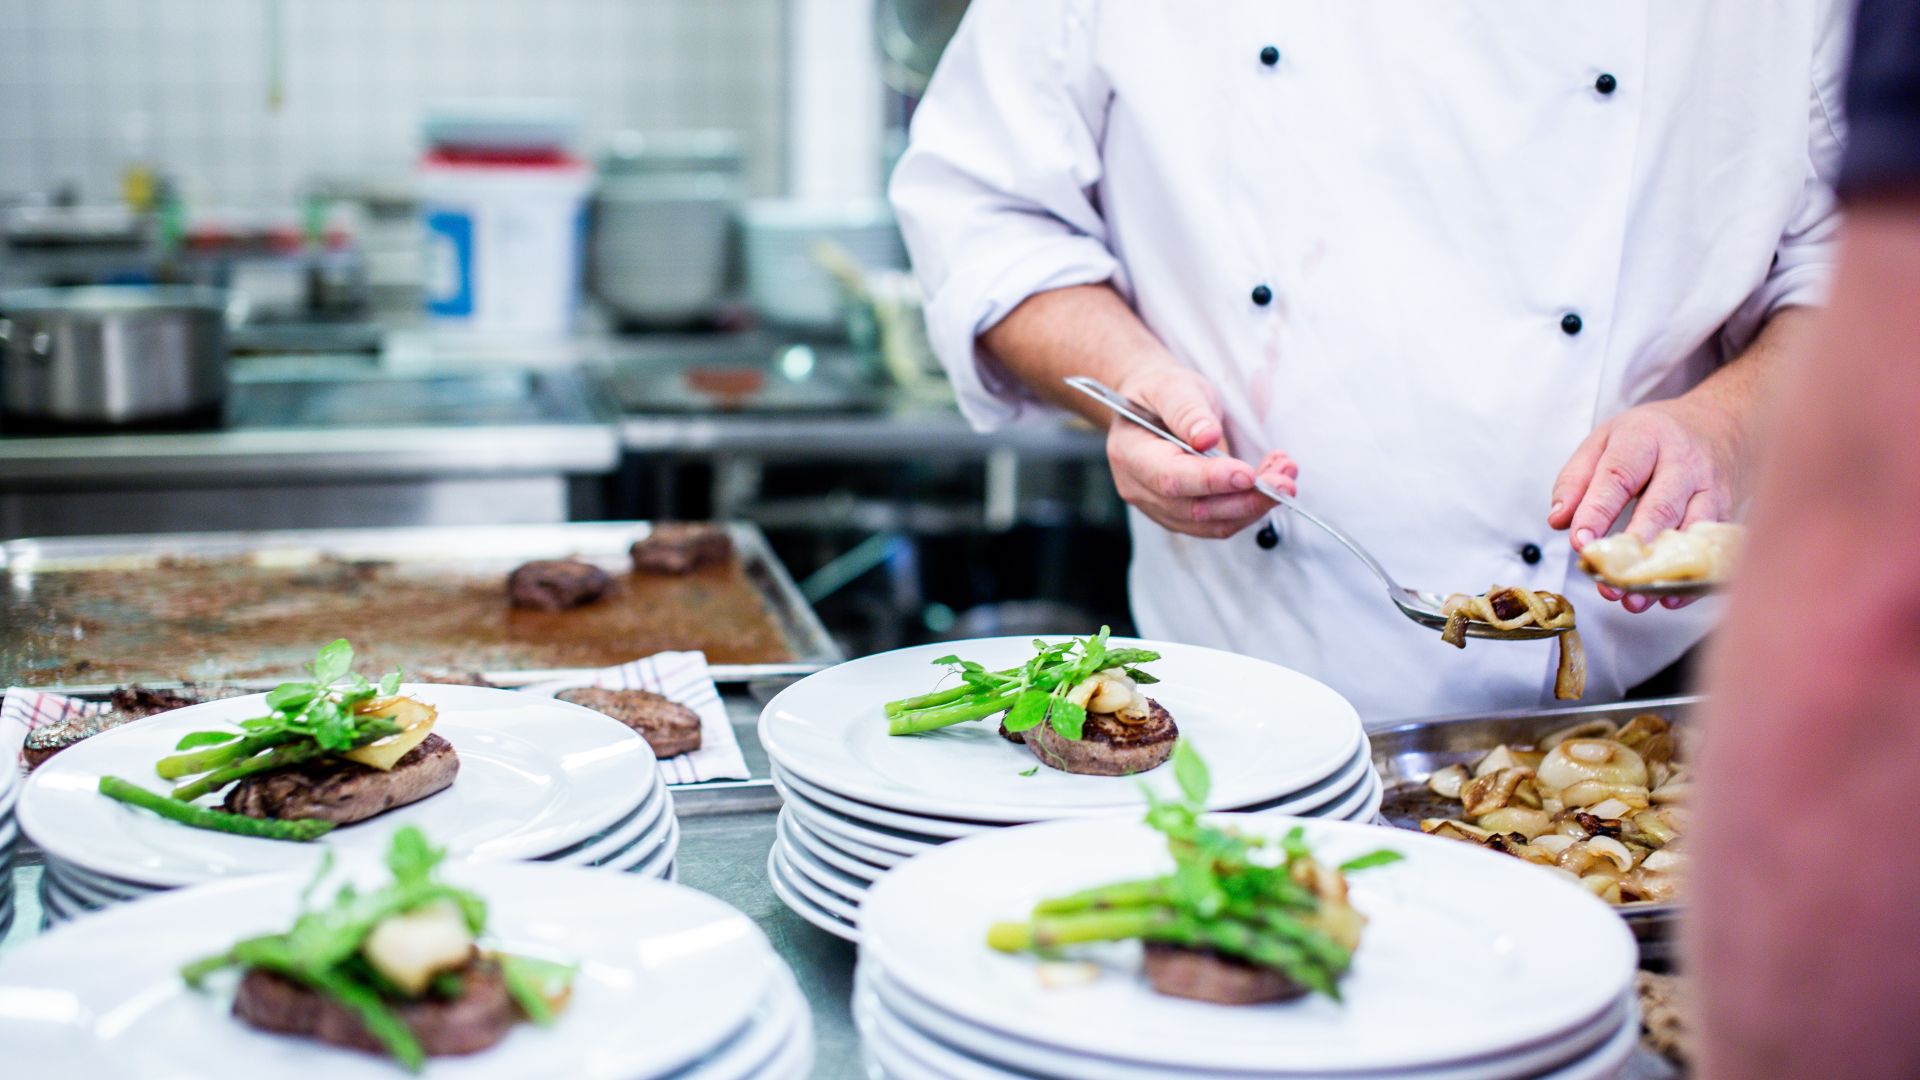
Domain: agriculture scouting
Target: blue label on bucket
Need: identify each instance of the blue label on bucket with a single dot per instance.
(449, 263)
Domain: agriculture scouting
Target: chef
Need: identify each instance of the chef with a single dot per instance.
(1472, 276)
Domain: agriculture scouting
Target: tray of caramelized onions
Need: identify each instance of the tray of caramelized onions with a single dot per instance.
(1598, 794)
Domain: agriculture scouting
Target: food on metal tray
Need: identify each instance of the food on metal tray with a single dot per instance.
(334, 749)
(668, 726)
(1509, 607)
(1601, 802)
(1076, 704)
(400, 970)
(680, 547)
(1705, 552)
(1239, 919)
(557, 585)
(126, 704)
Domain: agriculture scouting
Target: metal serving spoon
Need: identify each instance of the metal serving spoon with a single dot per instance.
(1422, 607)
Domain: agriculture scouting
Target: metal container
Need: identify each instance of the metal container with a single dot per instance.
(112, 355)
(1406, 754)
(663, 219)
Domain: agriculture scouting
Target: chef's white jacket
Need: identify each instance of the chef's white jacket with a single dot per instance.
(1424, 248)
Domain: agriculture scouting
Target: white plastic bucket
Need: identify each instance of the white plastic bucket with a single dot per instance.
(504, 245)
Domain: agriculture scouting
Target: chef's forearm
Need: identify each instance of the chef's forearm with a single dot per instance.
(1734, 400)
(1079, 330)
(1813, 682)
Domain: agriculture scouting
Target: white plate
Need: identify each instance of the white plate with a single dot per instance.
(900, 845)
(1267, 731)
(667, 975)
(819, 847)
(813, 895)
(536, 775)
(1449, 916)
(776, 1022)
(787, 894)
(646, 819)
(933, 828)
(887, 1002)
(818, 871)
(112, 886)
(653, 858)
(85, 891)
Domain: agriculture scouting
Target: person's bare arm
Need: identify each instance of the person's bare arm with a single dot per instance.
(1686, 459)
(1090, 330)
(1805, 918)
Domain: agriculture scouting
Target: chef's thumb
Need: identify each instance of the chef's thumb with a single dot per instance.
(1187, 410)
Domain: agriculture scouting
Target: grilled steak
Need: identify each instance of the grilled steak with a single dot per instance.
(677, 547)
(342, 791)
(1107, 746)
(669, 727)
(480, 1017)
(126, 704)
(557, 584)
(1205, 975)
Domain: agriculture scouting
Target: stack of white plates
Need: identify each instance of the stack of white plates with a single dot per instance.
(1471, 967)
(10, 785)
(671, 982)
(860, 802)
(539, 780)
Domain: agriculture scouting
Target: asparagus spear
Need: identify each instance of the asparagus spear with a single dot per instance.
(1166, 924)
(971, 701)
(274, 758)
(200, 817)
(175, 766)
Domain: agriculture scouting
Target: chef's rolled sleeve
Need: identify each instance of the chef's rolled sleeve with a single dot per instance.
(1883, 100)
(995, 191)
(1803, 262)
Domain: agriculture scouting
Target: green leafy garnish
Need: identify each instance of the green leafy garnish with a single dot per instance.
(204, 738)
(1030, 771)
(322, 950)
(1370, 860)
(1268, 903)
(1031, 694)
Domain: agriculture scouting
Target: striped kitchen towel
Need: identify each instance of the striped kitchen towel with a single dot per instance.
(680, 677)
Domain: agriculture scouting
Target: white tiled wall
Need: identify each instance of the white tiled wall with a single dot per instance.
(74, 74)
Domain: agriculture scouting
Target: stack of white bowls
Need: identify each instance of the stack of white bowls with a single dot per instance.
(860, 802)
(1472, 966)
(540, 780)
(781, 238)
(670, 983)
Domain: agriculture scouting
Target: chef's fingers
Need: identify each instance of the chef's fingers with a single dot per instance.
(1678, 476)
(1278, 470)
(1675, 603)
(1574, 478)
(1635, 603)
(1170, 472)
(1608, 592)
(1183, 401)
(1624, 468)
(1225, 509)
(1710, 503)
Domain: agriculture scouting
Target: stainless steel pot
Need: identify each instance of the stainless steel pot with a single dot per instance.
(113, 355)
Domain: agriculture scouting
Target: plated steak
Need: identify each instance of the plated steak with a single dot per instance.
(668, 726)
(479, 1018)
(126, 704)
(557, 584)
(1108, 746)
(678, 547)
(1205, 975)
(344, 792)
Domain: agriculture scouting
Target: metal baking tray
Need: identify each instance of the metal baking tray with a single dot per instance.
(251, 607)
(1407, 753)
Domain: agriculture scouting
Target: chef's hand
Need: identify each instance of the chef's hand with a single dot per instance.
(1209, 497)
(1676, 457)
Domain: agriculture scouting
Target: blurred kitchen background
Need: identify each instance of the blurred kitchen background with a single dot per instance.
(312, 263)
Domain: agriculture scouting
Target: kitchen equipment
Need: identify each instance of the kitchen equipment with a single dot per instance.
(113, 355)
(663, 216)
(786, 283)
(1422, 607)
(504, 238)
(1407, 754)
(260, 600)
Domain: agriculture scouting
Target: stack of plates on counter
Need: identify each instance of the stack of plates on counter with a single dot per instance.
(10, 785)
(1471, 967)
(860, 802)
(671, 982)
(539, 779)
